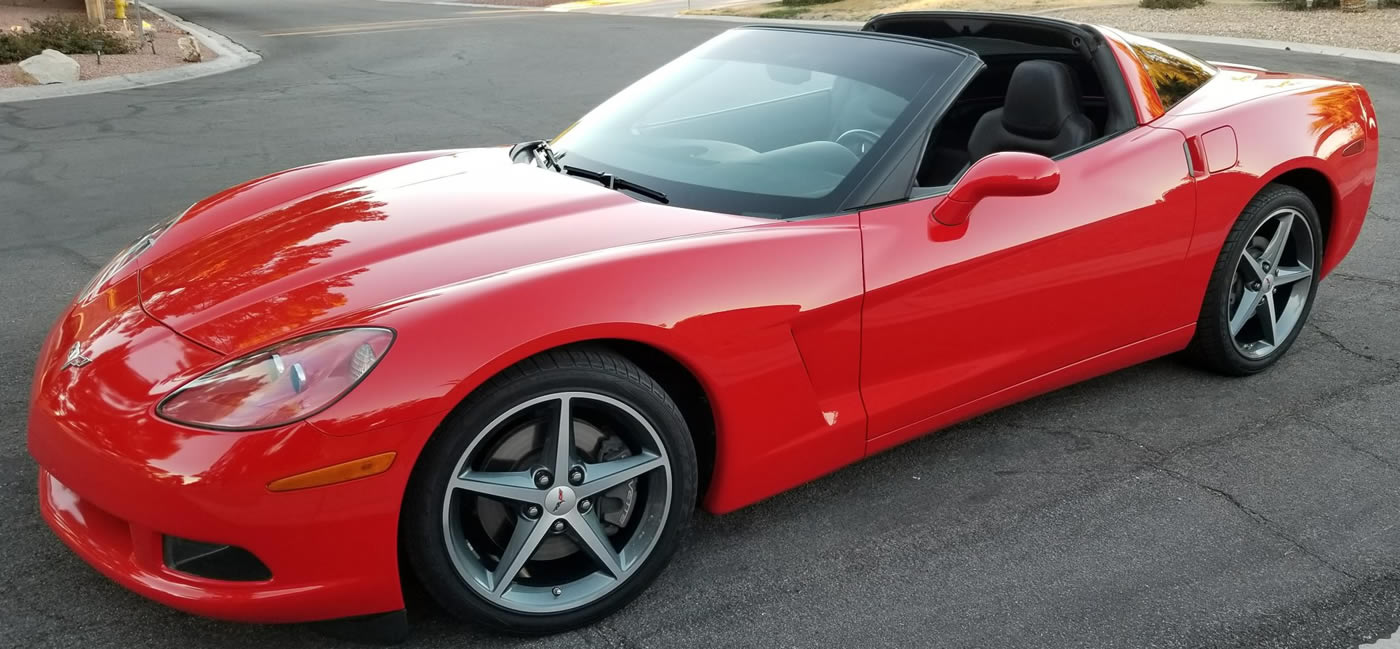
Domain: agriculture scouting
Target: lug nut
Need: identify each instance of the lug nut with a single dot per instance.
(558, 526)
(543, 479)
(1254, 286)
(585, 505)
(576, 475)
(1266, 266)
(533, 511)
(557, 591)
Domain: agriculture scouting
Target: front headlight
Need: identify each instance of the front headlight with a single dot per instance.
(127, 254)
(281, 384)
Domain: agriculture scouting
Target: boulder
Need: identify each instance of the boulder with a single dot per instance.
(49, 66)
(189, 49)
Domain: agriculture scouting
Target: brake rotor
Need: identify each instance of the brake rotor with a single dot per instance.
(520, 450)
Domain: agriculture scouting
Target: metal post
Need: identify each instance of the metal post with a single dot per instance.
(140, 26)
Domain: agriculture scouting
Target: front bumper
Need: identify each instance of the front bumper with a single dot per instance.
(114, 480)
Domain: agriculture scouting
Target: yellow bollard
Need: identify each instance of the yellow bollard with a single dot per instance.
(120, 13)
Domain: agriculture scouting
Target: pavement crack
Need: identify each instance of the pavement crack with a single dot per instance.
(1258, 518)
(1299, 408)
(1098, 432)
(609, 637)
(1389, 283)
(1352, 444)
(1337, 342)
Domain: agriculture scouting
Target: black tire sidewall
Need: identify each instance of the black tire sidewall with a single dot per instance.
(422, 534)
(1227, 356)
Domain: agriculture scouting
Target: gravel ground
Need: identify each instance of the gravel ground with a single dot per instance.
(1377, 29)
(167, 53)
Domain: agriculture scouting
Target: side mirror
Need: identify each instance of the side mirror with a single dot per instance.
(1010, 173)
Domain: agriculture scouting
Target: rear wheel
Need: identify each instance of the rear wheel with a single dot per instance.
(553, 496)
(1261, 291)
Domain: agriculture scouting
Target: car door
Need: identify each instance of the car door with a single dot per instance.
(1025, 286)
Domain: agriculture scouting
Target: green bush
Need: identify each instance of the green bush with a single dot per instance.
(1170, 4)
(67, 34)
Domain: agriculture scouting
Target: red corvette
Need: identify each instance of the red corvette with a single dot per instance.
(520, 370)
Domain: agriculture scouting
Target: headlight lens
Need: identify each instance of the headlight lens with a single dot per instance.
(279, 385)
(127, 254)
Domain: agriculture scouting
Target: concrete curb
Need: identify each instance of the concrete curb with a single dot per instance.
(232, 56)
(1302, 48)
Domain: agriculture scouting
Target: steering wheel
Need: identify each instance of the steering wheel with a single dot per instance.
(858, 140)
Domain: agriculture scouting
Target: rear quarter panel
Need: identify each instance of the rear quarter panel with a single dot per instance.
(1281, 123)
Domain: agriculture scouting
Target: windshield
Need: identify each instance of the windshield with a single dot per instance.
(761, 122)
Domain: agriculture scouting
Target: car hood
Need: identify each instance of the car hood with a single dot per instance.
(384, 236)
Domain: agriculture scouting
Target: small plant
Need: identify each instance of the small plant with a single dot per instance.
(1170, 4)
(1316, 4)
(783, 12)
(67, 34)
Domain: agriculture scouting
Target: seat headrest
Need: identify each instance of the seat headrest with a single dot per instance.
(1042, 95)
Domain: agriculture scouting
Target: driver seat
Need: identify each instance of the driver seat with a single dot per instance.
(1041, 114)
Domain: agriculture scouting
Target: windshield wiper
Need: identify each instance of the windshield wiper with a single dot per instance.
(613, 182)
(543, 156)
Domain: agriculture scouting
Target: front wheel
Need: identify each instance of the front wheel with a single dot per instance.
(1262, 288)
(553, 496)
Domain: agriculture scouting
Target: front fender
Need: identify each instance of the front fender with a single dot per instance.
(766, 317)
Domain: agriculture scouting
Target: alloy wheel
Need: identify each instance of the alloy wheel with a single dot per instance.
(1272, 284)
(557, 502)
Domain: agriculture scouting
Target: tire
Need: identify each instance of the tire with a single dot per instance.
(1225, 331)
(553, 590)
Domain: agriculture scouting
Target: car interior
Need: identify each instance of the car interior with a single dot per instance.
(1049, 87)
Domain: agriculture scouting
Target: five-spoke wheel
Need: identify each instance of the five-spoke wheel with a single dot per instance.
(556, 494)
(1271, 284)
(1261, 291)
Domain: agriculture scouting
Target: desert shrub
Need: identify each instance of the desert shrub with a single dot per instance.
(14, 48)
(1170, 4)
(67, 34)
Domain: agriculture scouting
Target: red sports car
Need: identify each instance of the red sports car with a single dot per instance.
(521, 369)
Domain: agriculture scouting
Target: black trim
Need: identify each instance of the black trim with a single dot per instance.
(874, 188)
(1086, 39)
(1083, 31)
(213, 560)
(388, 628)
(863, 33)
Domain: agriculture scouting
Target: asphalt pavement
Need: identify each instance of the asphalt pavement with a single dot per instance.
(1156, 507)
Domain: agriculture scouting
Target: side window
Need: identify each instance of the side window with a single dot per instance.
(733, 84)
(1174, 73)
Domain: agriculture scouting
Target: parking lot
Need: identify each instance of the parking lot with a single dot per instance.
(1156, 507)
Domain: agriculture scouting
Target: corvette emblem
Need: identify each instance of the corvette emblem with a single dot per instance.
(558, 502)
(76, 358)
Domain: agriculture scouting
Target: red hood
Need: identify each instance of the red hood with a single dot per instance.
(385, 236)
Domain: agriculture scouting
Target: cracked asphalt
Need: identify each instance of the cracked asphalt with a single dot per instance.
(1156, 507)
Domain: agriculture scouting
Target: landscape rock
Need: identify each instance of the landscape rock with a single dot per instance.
(49, 66)
(189, 49)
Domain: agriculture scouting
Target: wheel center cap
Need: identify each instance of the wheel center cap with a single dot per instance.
(560, 501)
(1268, 283)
